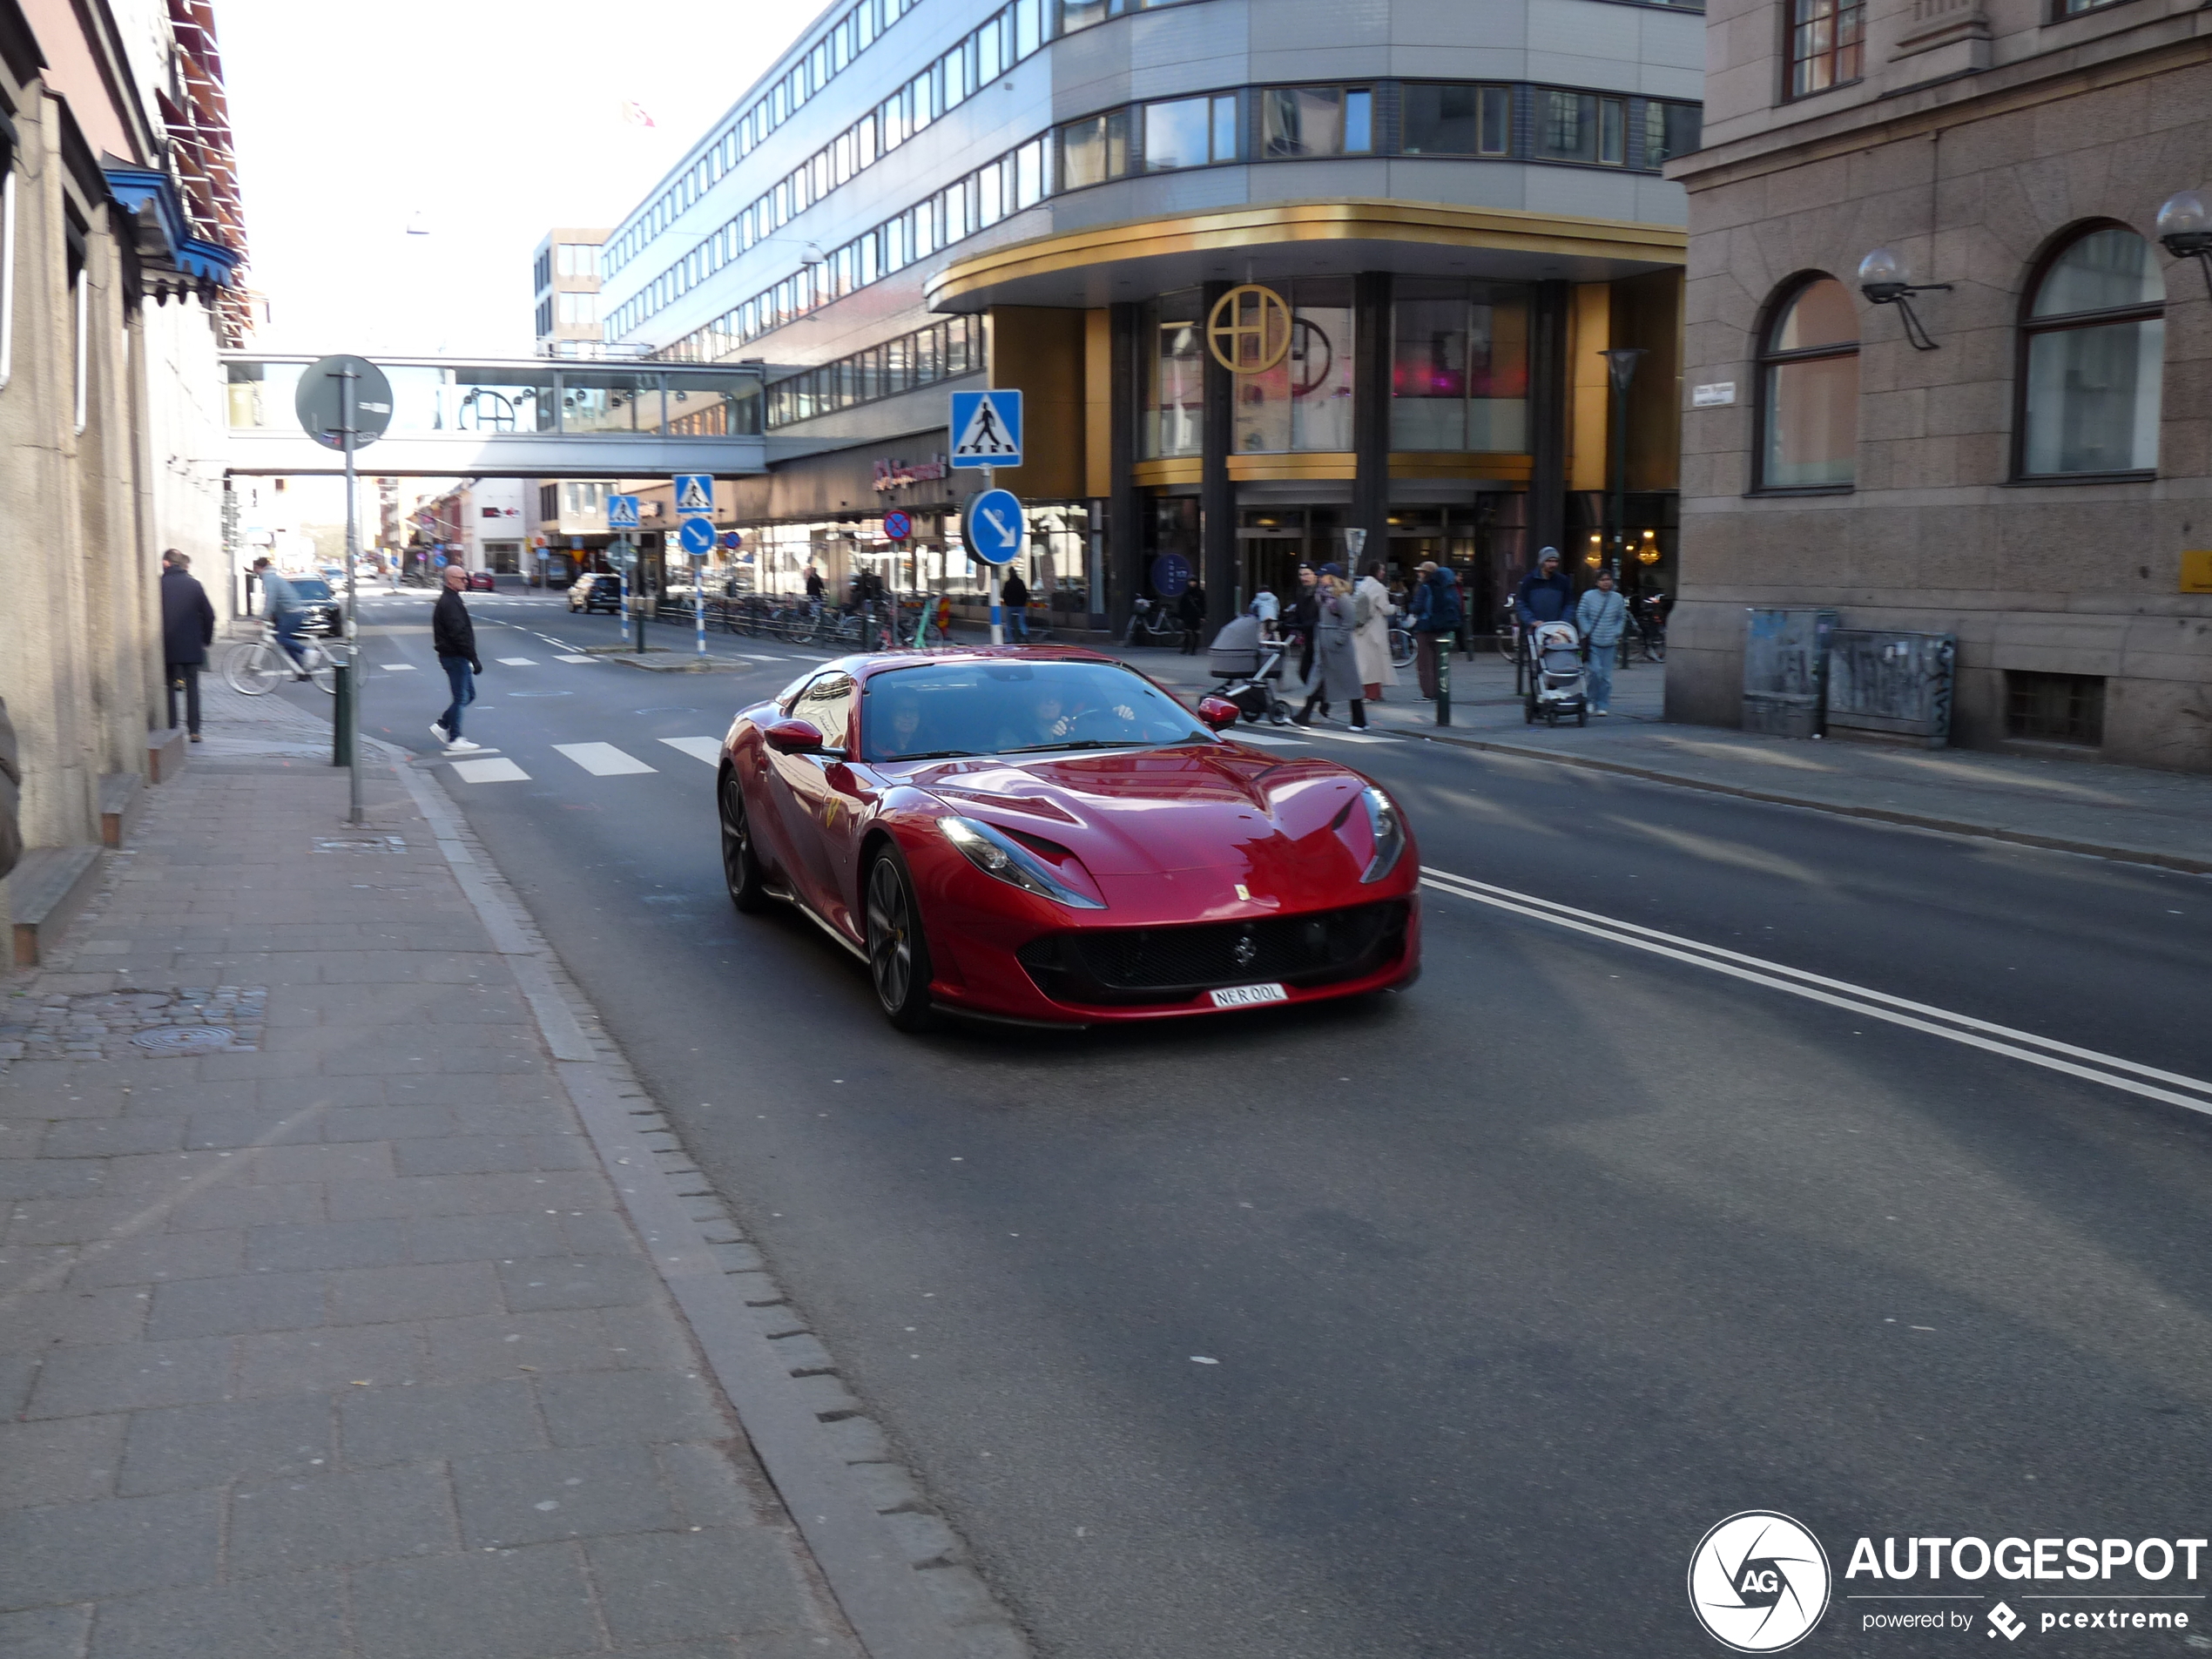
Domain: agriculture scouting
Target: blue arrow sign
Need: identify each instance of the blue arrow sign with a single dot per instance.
(695, 494)
(696, 536)
(622, 512)
(993, 526)
(987, 428)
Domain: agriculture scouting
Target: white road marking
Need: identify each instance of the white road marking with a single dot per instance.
(397, 668)
(1346, 736)
(576, 660)
(1270, 741)
(1857, 999)
(520, 662)
(489, 772)
(707, 749)
(602, 759)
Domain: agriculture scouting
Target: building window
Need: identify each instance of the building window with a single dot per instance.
(1457, 120)
(2092, 347)
(1671, 130)
(1093, 150)
(1174, 365)
(1458, 372)
(1299, 121)
(579, 310)
(1190, 132)
(1305, 402)
(2055, 708)
(1809, 391)
(1827, 44)
(1580, 126)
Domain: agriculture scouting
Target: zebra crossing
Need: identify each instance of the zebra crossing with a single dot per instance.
(599, 759)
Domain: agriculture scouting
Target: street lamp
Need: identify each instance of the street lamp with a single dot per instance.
(1882, 280)
(1621, 364)
(2185, 226)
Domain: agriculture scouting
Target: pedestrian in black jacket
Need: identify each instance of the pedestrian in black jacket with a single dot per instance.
(1192, 608)
(1546, 594)
(453, 636)
(187, 629)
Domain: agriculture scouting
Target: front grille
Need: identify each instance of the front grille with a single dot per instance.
(1170, 964)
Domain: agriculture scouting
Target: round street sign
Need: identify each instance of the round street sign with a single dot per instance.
(319, 401)
(993, 528)
(696, 536)
(732, 540)
(1170, 574)
(897, 526)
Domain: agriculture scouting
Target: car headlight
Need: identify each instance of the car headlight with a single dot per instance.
(996, 853)
(1389, 830)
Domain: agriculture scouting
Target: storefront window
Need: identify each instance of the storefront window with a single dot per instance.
(1459, 367)
(1305, 402)
(1174, 376)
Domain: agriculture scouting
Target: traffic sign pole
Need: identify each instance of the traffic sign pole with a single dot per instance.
(699, 601)
(352, 710)
(998, 624)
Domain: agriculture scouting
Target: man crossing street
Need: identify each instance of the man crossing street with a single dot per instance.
(453, 636)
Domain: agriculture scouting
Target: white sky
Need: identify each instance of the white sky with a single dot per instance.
(494, 119)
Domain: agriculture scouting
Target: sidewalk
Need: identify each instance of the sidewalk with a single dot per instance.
(2163, 818)
(343, 1313)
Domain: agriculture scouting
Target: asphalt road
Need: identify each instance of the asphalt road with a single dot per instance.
(1446, 1325)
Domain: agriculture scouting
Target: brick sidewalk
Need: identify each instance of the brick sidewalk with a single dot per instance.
(323, 1330)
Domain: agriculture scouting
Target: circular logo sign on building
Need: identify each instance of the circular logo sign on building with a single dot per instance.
(1759, 1582)
(1249, 329)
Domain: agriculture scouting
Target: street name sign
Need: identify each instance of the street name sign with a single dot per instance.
(993, 526)
(987, 428)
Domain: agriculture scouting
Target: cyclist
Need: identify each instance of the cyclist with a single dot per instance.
(281, 606)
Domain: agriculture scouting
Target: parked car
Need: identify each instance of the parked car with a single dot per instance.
(596, 591)
(482, 582)
(321, 612)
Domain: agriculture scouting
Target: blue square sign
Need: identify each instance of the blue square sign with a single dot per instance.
(987, 428)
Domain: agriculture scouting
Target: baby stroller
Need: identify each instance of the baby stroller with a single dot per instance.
(1555, 684)
(1245, 665)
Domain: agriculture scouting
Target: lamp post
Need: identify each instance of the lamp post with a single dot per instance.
(1883, 279)
(1620, 363)
(2185, 226)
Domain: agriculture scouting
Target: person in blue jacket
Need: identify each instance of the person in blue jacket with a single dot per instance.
(1546, 594)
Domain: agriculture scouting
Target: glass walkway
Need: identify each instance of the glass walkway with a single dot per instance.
(529, 418)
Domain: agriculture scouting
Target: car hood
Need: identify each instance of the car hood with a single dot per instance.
(1134, 812)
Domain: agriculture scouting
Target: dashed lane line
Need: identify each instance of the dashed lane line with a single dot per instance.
(2046, 1052)
(602, 759)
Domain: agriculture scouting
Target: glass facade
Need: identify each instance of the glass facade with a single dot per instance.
(1170, 337)
(1305, 402)
(1459, 367)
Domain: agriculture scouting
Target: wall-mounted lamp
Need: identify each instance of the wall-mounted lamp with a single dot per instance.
(1881, 278)
(2185, 226)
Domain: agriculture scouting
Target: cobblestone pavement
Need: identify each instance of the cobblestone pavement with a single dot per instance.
(330, 1337)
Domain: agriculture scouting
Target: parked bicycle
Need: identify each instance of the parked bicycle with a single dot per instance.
(1154, 623)
(1646, 634)
(254, 666)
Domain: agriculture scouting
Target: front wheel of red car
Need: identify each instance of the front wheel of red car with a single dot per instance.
(741, 871)
(897, 956)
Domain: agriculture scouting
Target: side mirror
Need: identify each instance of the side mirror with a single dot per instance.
(790, 736)
(1218, 712)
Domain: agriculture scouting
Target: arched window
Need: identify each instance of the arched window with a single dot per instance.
(1809, 390)
(2093, 350)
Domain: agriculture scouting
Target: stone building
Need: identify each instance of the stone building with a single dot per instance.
(2032, 474)
(120, 240)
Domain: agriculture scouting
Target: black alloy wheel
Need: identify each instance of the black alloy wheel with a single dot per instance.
(741, 871)
(897, 956)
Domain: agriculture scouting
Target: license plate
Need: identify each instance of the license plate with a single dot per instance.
(1245, 996)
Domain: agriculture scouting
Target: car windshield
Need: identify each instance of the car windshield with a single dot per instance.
(311, 587)
(944, 710)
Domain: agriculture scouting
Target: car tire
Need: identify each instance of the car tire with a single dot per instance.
(897, 953)
(741, 871)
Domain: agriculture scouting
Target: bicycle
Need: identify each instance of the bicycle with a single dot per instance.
(1153, 624)
(1401, 646)
(253, 667)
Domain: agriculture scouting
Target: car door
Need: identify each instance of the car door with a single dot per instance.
(808, 799)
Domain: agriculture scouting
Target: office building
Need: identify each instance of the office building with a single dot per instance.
(1273, 276)
(1997, 427)
(565, 278)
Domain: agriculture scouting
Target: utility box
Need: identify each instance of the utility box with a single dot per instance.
(1786, 671)
(1892, 685)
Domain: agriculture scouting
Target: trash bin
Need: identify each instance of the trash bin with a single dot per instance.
(1892, 685)
(1786, 671)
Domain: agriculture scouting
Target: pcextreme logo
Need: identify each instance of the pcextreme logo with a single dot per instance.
(1759, 1582)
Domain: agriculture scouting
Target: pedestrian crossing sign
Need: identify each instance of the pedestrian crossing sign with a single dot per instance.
(622, 512)
(987, 428)
(695, 494)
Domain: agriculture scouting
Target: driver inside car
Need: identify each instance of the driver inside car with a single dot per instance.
(901, 731)
(1052, 722)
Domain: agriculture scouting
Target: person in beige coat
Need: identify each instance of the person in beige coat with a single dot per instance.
(1370, 638)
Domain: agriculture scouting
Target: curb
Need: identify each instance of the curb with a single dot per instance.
(1878, 814)
(893, 1565)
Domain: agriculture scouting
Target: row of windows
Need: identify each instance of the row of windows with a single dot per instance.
(1827, 40)
(1019, 179)
(569, 311)
(920, 359)
(1390, 117)
(1287, 123)
(2092, 340)
(999, 42)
